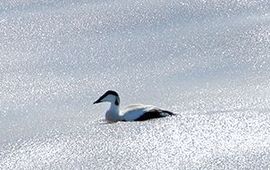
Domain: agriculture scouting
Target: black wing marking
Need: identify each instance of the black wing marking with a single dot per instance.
(154, 113)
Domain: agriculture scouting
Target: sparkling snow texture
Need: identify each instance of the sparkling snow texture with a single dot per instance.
(208, 61)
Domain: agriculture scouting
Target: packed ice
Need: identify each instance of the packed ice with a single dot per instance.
(207, 61)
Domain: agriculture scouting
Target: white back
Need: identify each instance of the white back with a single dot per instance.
(133, 112)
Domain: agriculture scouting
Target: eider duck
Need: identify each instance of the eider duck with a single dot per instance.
(135, 112)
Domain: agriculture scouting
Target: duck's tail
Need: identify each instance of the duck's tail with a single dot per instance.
(169, 113)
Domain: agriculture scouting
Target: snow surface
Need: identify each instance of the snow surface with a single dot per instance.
(208, 61)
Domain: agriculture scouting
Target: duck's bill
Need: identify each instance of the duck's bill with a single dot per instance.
(97, 101)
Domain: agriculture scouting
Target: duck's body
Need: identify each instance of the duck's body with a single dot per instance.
(135, 112)
(140, 112)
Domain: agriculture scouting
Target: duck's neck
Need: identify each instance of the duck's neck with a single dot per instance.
(113, 114)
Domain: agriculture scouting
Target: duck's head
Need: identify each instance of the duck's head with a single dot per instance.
(110, 96)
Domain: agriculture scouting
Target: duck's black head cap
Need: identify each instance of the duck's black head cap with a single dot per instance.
(109, 92)
(112, 92)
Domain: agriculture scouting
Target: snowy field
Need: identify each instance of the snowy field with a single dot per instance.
(208, 61)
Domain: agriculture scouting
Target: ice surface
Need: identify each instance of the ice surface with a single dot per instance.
(208, 61)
